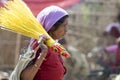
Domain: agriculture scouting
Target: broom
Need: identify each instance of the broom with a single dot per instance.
(15, 16)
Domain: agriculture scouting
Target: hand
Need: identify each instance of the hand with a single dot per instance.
(42, 44)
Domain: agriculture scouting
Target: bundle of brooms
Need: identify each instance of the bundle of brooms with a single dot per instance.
(15, 16)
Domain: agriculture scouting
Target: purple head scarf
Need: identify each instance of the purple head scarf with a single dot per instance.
(50, 15)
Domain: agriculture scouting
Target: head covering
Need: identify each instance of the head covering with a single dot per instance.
(50, 15)
(113, 29)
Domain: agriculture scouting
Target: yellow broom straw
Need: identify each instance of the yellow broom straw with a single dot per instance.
(15, 16)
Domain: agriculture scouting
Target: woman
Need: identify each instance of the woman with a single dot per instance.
(47, 65)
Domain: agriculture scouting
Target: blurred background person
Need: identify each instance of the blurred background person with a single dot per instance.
(113, 28)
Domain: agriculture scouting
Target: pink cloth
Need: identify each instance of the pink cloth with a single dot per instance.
(112, 48)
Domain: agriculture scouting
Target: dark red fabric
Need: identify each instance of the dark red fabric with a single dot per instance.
(118, 58)
(38, 5)
(52, 68)
(114, 32)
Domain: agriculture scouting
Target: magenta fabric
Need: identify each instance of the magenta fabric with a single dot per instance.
(112, 48)
(50, 15)
(52, 68)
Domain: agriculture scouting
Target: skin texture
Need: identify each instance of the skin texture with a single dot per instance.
(61, 31)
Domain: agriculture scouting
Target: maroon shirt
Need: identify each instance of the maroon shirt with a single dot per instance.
(118, 58)
(52, 68)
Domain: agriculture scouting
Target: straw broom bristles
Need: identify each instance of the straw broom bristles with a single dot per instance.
(17, 17)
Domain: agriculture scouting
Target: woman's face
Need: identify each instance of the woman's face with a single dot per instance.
(61, 31)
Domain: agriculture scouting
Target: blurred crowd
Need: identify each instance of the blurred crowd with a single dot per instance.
(107, 52)
(102, 62)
